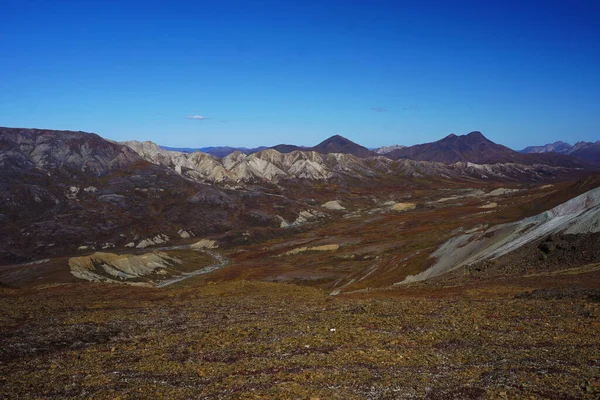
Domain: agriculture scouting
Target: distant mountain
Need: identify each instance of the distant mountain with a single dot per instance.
(288, 148)
(339, 144)
(478, 149)
(217, 151)
(588, 151)
(334, 144)
(556, 147)
(388, 149)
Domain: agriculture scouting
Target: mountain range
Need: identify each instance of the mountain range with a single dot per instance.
(473, 147)
(588, 151)
(63, 189)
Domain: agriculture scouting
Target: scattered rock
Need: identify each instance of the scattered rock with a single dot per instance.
(333, 205)
(158, 239)
(72, 193)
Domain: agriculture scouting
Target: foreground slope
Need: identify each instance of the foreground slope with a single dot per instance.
(249, 339)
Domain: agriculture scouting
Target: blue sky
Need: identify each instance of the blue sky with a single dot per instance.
(268, 72)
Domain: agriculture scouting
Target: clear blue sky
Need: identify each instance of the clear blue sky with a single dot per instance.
(268, 72)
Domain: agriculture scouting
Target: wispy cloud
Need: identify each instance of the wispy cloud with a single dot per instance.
(412, 107)
(197, 117)
(379, 109)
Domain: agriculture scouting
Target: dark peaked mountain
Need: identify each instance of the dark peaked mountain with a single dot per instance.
(334, 144)
(339, 144)
(477, 149)
(473, 147)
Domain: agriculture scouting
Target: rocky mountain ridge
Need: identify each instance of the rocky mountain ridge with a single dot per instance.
(272, 166)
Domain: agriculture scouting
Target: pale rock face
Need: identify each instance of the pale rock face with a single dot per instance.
(388, 149)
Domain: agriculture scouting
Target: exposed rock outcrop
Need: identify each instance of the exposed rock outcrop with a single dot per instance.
(109, 267)
(580, 215)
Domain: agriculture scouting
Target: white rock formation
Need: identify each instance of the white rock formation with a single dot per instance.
(579, 215)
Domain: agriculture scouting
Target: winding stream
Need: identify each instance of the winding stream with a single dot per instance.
(220, 263)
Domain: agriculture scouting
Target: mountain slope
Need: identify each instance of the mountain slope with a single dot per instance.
(62, 190)
(476, 148)
(339, 144)
(65, 151)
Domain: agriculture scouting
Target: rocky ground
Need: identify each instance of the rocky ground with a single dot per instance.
(503, 339)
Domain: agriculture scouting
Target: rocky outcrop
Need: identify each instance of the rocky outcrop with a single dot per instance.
(114, 268)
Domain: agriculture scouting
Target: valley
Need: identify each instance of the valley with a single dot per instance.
(310, 273)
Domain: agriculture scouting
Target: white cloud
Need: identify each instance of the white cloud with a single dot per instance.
(197, 117)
